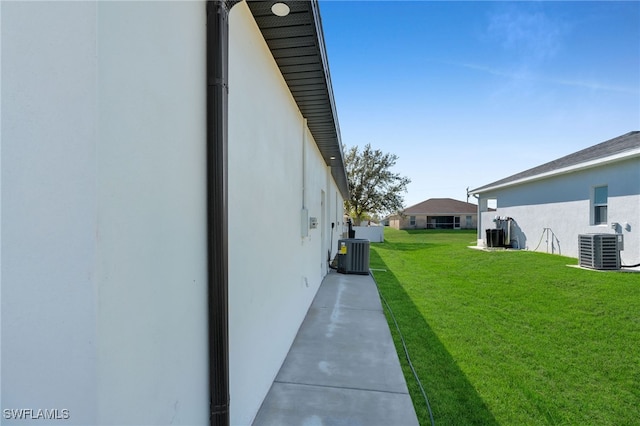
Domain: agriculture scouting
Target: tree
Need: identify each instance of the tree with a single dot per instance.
(375, 189)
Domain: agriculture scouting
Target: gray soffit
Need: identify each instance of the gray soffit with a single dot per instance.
(297, 44)
(627, 142)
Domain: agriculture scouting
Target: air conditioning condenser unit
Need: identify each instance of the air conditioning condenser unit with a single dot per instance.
(600, 251)
(353, 256)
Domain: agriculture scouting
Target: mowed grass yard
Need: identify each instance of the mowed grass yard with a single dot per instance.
(511, 337)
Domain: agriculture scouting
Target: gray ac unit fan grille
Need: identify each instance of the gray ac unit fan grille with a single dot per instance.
(356, 258)
(599, 251)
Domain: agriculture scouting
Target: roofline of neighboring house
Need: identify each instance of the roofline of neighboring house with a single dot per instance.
(296, 42)
(396, 215)
(436, 214)
(626, 155)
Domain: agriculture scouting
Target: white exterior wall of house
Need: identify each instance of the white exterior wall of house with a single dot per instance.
(103, 211)
(274, 272)
(563, 204)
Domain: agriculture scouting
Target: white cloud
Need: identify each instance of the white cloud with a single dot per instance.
(529, 34)
(526, 75)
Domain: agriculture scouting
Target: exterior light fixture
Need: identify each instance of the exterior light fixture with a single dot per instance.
(332, 158)
(280, 9)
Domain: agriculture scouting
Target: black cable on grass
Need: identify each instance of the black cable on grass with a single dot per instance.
(406, 351)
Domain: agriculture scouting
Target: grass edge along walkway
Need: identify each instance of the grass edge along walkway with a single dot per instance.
(511, 337)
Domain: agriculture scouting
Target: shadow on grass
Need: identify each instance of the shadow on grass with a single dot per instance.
(453, 399)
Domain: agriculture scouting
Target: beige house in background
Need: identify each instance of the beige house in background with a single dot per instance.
(437, 213)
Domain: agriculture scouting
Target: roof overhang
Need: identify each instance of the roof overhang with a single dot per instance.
(297, 44)
(438, 213)
(626, 155)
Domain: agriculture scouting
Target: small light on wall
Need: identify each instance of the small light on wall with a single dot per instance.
(332, 158)
(280, 9)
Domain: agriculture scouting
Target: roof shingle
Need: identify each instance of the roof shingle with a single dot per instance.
(439, 206)
(620, 144)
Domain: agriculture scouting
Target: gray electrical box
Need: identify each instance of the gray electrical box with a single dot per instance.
(313, 222)
(353, 256)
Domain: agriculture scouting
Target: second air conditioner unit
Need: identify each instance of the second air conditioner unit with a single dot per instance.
(600, 251)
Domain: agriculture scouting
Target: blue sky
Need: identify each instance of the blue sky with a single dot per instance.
(466, 93)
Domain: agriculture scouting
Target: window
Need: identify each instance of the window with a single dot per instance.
(469, 222)
(600, 196)
(412, 220)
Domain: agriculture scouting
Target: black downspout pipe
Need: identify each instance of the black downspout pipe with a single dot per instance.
(217, 235)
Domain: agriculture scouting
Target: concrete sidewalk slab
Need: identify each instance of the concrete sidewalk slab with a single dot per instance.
(342, 368)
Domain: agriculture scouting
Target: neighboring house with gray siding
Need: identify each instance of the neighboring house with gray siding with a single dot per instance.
(595, 190)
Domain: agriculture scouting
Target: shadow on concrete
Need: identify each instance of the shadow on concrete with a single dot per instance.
(452, 397)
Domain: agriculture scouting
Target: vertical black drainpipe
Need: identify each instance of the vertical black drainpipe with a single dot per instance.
(217, 239)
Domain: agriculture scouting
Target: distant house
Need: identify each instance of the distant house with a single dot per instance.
(595, 190)
(437, 213)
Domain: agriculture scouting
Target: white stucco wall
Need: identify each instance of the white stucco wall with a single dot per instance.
(152, 321)
(103, 211)
(563, 205)
(48, 209)
(103, 222)
(274, 272)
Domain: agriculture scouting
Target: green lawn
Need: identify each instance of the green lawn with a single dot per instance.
(511, 338)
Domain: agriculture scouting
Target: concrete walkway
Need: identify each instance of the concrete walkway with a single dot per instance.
(342, 368)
